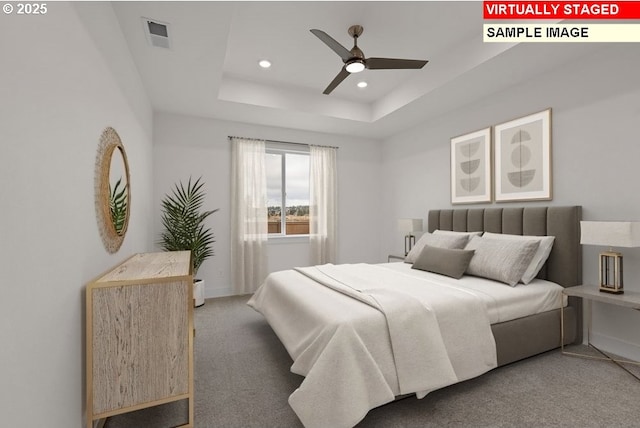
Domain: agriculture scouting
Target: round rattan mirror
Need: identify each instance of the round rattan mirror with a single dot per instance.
(113, 190)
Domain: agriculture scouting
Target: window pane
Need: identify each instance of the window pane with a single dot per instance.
(274, 191)
(297, 192)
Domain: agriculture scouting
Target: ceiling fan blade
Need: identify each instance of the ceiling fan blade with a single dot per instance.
(336, 81)
(393, 63)
(343, 52)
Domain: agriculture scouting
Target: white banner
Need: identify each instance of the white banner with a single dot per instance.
(563, 33)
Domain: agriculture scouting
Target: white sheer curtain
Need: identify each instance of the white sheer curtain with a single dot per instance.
(248, 214)
(323, 202)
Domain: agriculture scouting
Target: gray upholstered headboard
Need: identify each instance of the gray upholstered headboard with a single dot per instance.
(564, 265)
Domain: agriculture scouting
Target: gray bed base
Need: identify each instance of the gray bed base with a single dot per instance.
(528, 336)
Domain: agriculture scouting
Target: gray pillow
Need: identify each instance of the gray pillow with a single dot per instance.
(500, 259)
(444, 261)
(440, 241)
(539, 258)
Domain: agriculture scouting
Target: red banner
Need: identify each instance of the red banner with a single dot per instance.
(583, 10)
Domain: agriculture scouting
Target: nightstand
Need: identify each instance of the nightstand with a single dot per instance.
(394, 256)
(590, 293)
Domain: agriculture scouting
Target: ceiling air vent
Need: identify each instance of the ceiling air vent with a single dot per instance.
(157, 33)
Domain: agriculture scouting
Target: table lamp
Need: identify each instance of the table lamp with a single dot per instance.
(610, 234)
(408, 226)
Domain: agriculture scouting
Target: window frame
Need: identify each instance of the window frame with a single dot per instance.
(283, 149)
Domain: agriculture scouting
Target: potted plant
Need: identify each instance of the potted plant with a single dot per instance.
(184, 229)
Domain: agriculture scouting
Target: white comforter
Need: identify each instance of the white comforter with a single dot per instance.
(368, 334)
(503, 303)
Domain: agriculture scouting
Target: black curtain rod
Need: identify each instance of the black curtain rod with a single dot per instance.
(284, 142)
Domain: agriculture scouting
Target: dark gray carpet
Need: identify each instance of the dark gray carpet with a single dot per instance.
(242, 379)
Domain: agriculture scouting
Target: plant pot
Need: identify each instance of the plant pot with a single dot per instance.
(198, 293)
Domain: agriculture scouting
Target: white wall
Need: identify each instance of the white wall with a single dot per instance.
(61, 84)
(188, 146)
(595, 151)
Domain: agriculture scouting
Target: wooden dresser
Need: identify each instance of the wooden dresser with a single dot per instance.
(139, 326)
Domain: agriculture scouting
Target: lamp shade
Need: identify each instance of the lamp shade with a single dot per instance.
(610, 233)
(409, 225)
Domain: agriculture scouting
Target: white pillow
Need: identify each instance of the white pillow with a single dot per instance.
(451, 242)
(469, 235)
(539, 258)
(500, 259)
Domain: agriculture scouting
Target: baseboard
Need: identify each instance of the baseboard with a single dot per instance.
(219, 292)
(616, 346)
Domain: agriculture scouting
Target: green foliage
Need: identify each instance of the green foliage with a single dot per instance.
(183, 222)
(118, 205)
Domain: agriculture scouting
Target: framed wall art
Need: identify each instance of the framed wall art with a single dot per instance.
(471, 167)
(523, 158)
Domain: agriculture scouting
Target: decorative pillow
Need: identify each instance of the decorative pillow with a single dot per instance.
(444, 261)
(539, 258)
(500, 259)
(441, 241)
(469, 235)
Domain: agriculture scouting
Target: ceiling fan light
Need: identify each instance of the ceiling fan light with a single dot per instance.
(355, 66)
(264, 63)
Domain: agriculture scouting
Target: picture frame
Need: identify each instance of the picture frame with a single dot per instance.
(522, 158)
(471, 167)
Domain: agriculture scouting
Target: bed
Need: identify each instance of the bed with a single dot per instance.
(364, 335)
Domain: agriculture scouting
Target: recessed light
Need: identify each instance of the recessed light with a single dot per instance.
(362, 84)
(264, 63)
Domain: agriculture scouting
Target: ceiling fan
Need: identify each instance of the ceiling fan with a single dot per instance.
(354, 60)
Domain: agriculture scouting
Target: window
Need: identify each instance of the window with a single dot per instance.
(287, 190)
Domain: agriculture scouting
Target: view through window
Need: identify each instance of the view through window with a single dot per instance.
(287, 191)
